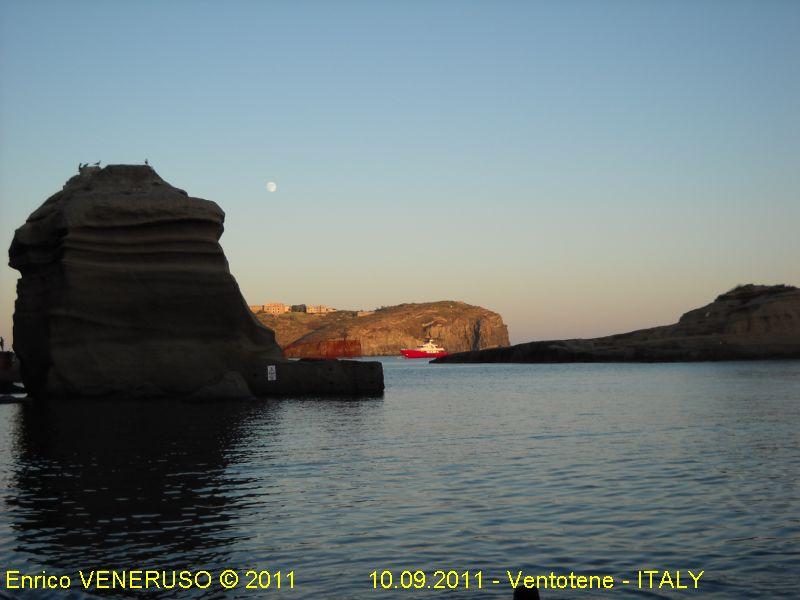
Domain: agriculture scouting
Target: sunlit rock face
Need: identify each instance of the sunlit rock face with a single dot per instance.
(455, 325)
(126, 292)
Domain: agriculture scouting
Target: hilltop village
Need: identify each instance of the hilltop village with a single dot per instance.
(279, 308)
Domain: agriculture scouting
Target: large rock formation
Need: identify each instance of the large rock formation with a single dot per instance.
(748, 322)
(455, 325)
(125, 292)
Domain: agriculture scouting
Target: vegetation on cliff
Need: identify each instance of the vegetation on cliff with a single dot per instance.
(457, 326)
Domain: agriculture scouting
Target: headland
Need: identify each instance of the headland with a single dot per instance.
(748, 322)
(456, 325)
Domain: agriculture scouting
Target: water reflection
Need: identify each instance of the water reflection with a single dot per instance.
(124, 484)
(592, 468)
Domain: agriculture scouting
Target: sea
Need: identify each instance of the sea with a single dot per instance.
(453, 483)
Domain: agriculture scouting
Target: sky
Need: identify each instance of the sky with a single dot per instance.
(582, 168)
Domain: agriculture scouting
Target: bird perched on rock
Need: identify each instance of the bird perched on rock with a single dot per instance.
(147, 163)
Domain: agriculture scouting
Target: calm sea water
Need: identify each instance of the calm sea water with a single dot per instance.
(600, 469)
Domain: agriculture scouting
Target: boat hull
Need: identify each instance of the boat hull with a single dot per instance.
(410, 353)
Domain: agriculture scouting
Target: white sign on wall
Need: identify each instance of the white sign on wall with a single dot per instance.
(272, 373)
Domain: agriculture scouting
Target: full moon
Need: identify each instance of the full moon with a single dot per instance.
(272, 186)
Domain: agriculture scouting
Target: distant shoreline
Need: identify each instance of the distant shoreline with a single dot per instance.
(749, 322)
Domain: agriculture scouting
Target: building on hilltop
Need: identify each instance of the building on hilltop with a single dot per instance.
(272, 308)
(279, 308)
(319, 309)
(276, 308)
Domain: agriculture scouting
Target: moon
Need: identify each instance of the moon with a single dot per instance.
(272, 186)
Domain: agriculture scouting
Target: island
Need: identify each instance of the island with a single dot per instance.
(749, 322)
(457, 326)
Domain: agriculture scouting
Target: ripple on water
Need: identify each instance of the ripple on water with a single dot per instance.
(591, 468)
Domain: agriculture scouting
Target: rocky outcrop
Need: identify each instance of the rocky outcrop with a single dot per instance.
(455, 325)
(748, 322)
(125, 292)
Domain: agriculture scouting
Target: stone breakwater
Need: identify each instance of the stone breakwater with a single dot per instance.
(749, 322)
(126, 292)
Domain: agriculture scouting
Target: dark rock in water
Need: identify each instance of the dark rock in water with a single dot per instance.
(11, 388)
(126, 292)
(6, 398)
(748, 322)
(9, 374)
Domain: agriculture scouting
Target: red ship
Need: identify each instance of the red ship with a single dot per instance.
(427, 350)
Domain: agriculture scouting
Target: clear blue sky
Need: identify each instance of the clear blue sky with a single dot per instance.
(580, 167)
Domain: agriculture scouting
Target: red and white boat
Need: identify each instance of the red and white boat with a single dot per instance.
(427, 350)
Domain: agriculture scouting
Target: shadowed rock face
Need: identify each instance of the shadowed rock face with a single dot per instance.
(749, 322)
(126, 292)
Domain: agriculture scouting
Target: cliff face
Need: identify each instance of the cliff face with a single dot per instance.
(455, 325)
(749, 322)
(125, 292)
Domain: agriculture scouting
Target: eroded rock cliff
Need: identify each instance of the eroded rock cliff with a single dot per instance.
(125, 292)
(748, 322)
(455, 325)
